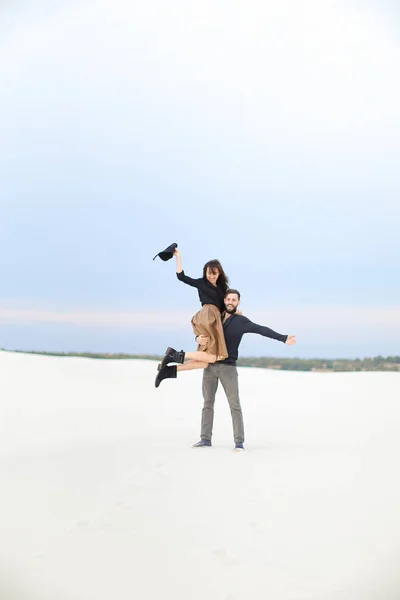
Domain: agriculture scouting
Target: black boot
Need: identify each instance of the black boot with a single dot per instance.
(172, 356)
(165, 373)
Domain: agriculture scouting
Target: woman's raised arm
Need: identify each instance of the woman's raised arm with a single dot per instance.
(181, 275)
(177, 255)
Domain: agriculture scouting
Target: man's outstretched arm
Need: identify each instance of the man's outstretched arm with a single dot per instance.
(269, 333)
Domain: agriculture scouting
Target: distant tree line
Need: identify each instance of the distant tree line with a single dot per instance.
(376, 363)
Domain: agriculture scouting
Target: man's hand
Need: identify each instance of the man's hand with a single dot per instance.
(202, 340)
(291, 340)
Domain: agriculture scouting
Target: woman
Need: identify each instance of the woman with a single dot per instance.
(207, 322)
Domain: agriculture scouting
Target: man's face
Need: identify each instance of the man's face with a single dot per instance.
(231, 303)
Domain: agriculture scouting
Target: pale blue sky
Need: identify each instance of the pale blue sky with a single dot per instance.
(265, 134)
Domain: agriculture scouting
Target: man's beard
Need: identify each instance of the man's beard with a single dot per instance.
(231, 310)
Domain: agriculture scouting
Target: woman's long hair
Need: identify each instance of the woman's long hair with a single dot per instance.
(222, 281)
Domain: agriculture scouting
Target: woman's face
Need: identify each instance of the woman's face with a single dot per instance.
(212, 276)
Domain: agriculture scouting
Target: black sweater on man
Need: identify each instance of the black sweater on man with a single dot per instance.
(235, 327)
(208, 293)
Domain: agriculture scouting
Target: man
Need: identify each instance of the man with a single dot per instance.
(235, 326)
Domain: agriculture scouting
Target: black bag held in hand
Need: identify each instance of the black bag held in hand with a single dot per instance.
(168, 253)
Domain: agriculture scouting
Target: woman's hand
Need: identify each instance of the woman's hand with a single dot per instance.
(177, 253)
(291, 340)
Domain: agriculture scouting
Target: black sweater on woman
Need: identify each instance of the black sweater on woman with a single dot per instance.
(208, 293)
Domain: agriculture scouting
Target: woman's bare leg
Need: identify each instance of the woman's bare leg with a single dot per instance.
(192, 364)
(203, 357)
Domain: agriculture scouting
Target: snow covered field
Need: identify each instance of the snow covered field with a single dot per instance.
(102, 496)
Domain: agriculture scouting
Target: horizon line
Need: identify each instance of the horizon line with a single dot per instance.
(152, 356)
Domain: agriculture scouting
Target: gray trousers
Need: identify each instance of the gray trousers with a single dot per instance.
(228, 376)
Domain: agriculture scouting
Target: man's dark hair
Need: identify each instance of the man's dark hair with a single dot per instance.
(231, 291)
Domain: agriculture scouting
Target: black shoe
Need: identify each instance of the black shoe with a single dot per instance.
(202, 444)
(172, 356)
(239, 446)
(165, 373)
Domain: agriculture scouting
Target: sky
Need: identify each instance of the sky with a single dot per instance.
(265, 134)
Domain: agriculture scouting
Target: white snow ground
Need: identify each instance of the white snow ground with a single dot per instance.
(102, 496)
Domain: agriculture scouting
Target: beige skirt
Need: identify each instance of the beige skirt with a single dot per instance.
(208, 322)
